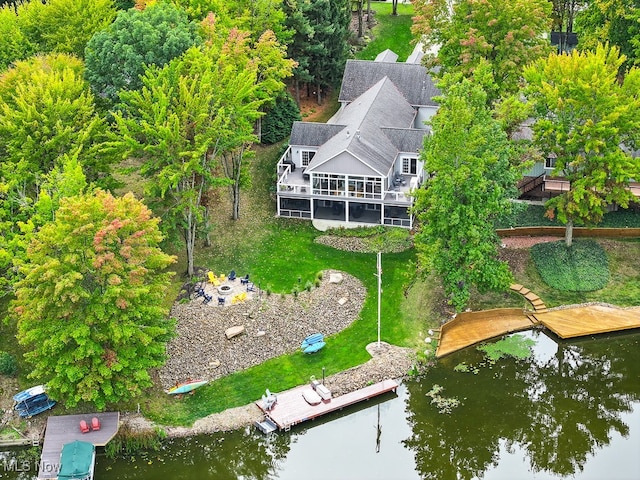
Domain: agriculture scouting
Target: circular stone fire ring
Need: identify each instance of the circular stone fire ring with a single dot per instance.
(224, 289)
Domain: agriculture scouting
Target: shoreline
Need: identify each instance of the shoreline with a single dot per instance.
(386, 362)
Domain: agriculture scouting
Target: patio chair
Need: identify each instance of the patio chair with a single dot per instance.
(207, 298)
(245, 280)
(95, 424)
(199, 291)
(221, 301)
(84, 428)
(232, 275)
(251, 287)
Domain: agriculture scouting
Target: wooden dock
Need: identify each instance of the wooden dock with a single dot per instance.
(589, 320)
(469, 328)
(65, 429)
(292, 409)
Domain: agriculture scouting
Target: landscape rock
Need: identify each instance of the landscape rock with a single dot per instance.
(234, 331)
(287, 318)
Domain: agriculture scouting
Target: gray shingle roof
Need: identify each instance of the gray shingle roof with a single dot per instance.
(313, 134)
(412, 80)
(405, 139)
(363, 134)
(386, 56)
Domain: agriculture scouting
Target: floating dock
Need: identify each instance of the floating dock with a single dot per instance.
(65, 429)
(292, 409)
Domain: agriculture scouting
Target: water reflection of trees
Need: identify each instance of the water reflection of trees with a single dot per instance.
(560, 411)
(245, 454)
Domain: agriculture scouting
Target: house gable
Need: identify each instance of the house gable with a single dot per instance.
(363, 136)
(346, 164)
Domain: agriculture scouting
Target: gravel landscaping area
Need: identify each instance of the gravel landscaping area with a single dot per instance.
(273, 325)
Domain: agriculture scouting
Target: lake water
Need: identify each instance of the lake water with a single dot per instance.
(573, 411)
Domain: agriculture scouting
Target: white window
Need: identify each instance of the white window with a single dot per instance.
(550, 163)
(410, 166)
(307, 155)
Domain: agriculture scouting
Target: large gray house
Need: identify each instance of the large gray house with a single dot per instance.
(362, 165)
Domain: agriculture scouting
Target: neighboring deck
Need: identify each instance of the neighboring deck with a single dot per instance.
(470, 328)
(589, 320)
(291, 408)
(65, 429)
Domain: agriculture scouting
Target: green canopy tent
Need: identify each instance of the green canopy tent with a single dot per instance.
(76, 461)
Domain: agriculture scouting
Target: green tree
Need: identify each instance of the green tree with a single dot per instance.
(589, 121)
(90, 307)
(66, 26)
(14, 44)
(47, 110)
(47, 117)
(18, 222)
(472, 177)
(62, 26)
(117, 56)
(177, 124)
(279, 119)
(506, 33)
(299, 48)
(616, 21)
(329, 47)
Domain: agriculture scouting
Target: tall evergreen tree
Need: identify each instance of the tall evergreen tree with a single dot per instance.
(298, 21)
(117, 56)
(329, 49)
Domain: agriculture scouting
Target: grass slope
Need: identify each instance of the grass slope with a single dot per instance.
(390, 32)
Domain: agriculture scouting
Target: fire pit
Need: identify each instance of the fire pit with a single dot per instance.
(224, 289)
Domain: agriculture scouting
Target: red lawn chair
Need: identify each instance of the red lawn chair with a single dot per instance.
(95, 424)
(84, 428)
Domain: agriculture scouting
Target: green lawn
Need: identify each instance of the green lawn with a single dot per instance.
(390, 32)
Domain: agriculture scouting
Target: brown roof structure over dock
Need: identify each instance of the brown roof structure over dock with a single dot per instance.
(65, 429)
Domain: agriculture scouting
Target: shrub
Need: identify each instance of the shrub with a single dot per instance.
(583, 267)
(8, 364)
(276, 124)
(533, 216)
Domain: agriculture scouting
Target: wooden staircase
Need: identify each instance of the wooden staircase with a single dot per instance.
(535, 301)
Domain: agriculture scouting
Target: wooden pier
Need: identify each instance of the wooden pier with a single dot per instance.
(471, 328)
(65, 429)
(589, 320)
(292, 409)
